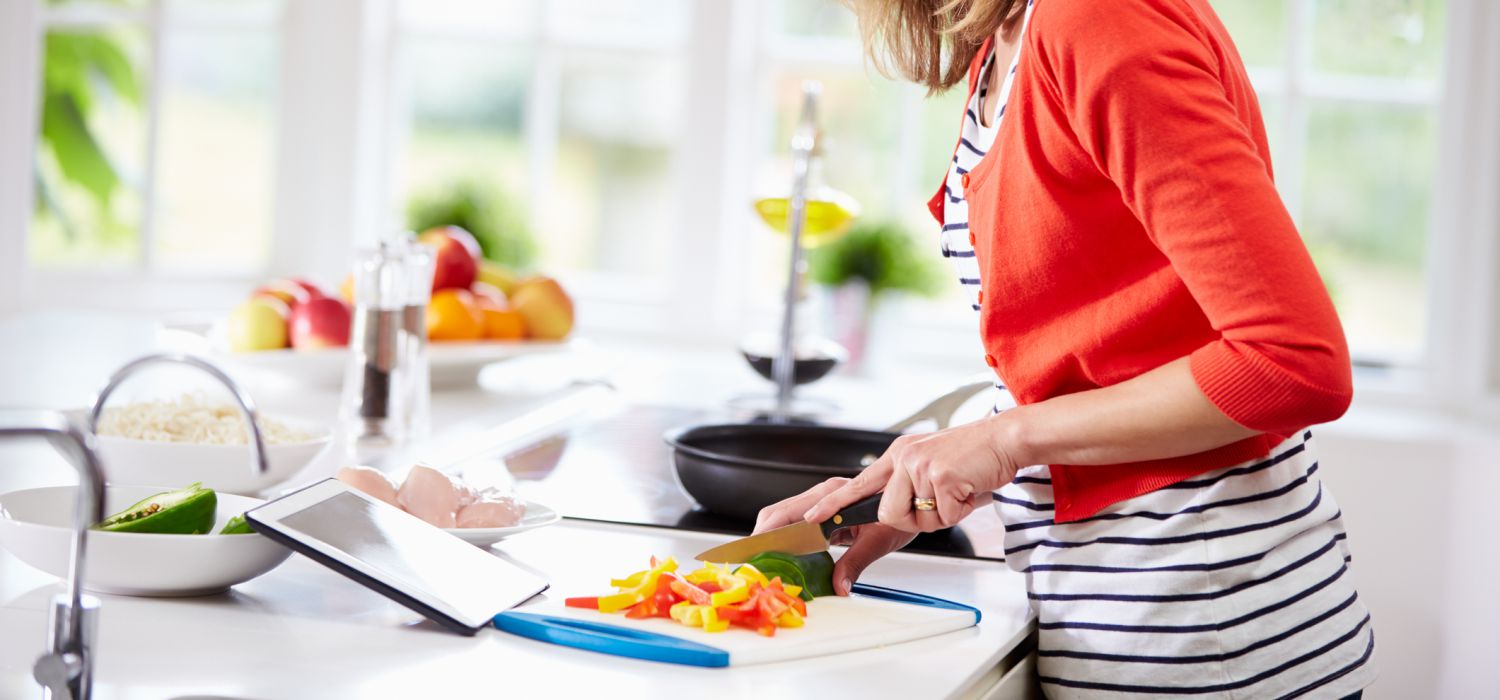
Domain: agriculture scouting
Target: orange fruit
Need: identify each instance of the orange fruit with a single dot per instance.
(502, 323)
(453, 314)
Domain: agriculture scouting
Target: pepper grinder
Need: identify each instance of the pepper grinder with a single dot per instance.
(380, 392)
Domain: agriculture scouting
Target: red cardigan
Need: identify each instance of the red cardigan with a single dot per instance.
(1126, 217)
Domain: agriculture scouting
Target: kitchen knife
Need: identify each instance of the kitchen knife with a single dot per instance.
(797, 538)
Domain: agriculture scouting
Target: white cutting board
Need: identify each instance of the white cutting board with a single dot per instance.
(834, 625)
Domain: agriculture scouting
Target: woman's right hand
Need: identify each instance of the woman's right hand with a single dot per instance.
(866, 542)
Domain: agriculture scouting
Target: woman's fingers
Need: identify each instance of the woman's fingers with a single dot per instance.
(791, 510)
(896, 504)
(954, 502)
(869, 482)
(871, 542)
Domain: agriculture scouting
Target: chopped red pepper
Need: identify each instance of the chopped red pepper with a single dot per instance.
(589, 602)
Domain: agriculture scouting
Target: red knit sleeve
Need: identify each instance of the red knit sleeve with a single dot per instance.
(1140, 82)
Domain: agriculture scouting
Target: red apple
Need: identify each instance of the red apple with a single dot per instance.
(320, 323)
(313, 290)
(292, 292)
(456, 257)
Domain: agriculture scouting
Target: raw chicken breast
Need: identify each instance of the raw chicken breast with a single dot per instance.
(503, 511)
(430, 495)
(371, 481)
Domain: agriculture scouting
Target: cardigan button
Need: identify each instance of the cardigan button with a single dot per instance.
(981, 296)
(973, 240)
(965, 180)
(990, 360)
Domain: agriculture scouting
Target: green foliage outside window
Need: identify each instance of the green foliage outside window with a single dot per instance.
(81, 70)
(482, 209)
(883, 255)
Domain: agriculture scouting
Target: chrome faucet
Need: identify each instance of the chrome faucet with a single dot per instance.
(66, 670)
(246, 404)
(804, 142)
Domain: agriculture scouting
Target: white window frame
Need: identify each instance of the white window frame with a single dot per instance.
(141, 284)
(336, 99)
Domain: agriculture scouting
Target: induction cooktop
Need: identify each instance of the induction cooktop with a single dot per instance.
(613, 466)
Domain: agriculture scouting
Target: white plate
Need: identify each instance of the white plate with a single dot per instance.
(223, 468)
(36, 526)
(537, 515)
(451, 364)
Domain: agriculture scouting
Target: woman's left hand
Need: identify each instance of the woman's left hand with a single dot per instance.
(958, 468)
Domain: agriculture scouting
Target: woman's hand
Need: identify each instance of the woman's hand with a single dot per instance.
(958, 468)
(867, 543)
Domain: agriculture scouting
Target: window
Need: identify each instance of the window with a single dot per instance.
(566, 111)
(203, 144)
(156, 133)
(1350, 92)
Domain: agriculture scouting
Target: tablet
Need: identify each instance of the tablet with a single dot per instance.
(400, 556)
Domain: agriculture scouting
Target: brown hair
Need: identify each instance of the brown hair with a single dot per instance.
(930, 42)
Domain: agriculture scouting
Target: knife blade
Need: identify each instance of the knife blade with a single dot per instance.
(795, 539)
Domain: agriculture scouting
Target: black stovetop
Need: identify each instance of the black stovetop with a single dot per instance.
(614, 467)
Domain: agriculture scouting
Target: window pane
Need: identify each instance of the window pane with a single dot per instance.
(215, 158)
(1257, 27)
(612, 201)
(495, 17)
(860, 116)
(815, 18)
(90, 150)
(1364, 215)
(1396, 38)
(647, 22)
(467, 100)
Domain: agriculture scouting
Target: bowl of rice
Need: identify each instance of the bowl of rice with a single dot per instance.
(165, 442)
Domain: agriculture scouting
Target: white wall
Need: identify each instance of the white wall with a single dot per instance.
(1419, 500)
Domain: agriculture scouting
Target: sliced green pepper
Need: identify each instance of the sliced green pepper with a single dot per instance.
(812, 572)
(237, 526)
(186, 511)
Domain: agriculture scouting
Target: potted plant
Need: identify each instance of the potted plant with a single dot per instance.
(874, 260)
(486, 211)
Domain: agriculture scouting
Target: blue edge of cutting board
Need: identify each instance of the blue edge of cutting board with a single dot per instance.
(623, 641)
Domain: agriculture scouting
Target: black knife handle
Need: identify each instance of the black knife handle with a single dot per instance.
(861, 513)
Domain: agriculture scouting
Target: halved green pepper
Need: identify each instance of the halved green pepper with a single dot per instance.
(813, 572)
(186, 511)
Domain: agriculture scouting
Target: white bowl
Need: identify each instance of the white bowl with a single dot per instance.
(36, 526)
(450, 364)
(537, 515)
(223, 468)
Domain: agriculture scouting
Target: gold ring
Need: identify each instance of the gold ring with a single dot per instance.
(924, 503)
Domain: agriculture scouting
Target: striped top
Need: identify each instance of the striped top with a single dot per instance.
(975, 140)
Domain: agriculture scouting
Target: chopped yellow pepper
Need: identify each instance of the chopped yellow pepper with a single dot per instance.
(644, 588)
(751, 575)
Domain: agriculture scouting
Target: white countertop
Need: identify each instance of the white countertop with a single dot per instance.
(304, 631)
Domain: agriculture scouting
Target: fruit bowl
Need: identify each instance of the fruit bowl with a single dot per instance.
(36, 526)
(223, 468)
(451, 364)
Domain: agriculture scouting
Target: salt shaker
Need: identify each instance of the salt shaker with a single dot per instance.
(418, 268)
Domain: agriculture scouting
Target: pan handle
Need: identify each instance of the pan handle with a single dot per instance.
(940, 410)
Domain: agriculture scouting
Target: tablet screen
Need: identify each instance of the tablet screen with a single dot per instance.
(403, 553)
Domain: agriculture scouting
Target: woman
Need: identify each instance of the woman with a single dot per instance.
(1146, 299)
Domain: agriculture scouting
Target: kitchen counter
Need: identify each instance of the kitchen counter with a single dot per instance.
(304, 631)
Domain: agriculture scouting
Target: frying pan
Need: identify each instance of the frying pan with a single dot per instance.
(735, 469)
